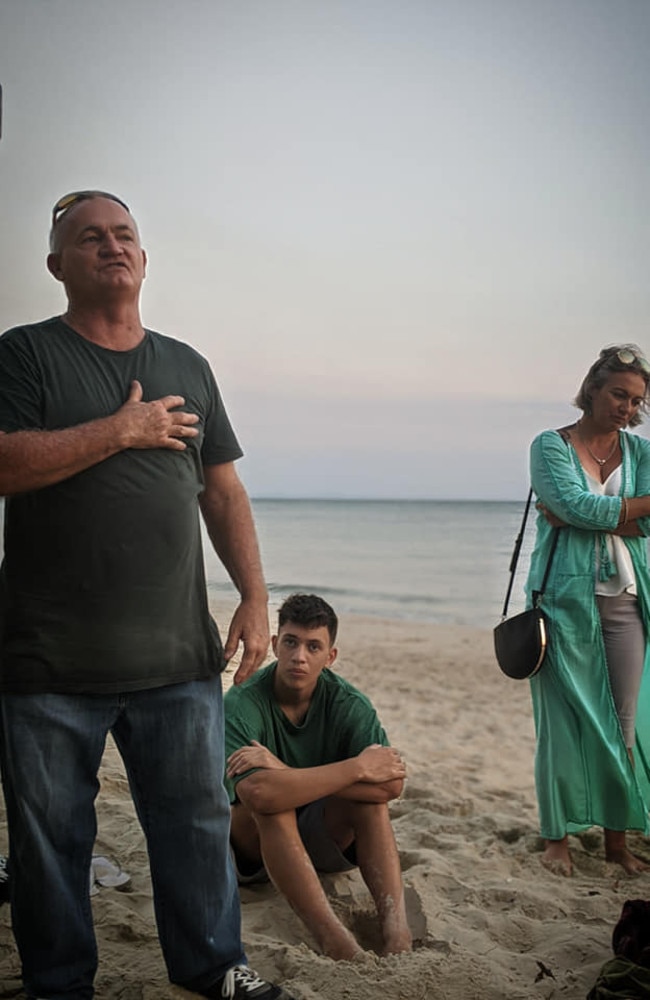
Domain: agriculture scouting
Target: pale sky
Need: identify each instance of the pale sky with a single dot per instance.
(400, 230)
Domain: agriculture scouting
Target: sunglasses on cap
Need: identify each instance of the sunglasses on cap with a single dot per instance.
(68, 200)
(629, 357)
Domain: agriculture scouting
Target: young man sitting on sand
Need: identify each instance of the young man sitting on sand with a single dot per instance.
(310, 775)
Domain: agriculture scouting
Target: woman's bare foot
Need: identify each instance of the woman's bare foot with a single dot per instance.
(556, 857)
(628, 861)
(617, 852)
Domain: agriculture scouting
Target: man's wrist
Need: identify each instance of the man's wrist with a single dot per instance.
(254, 595)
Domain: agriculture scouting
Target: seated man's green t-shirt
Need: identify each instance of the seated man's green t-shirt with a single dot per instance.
(340, 723)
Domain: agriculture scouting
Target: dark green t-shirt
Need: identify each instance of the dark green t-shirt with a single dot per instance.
(102, 587)
(340, 723)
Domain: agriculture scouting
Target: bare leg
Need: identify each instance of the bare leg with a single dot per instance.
(616, 850)
(379, 865)
(556, 857)
(293, 874)
(244, 838)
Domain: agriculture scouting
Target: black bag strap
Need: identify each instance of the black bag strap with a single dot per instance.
(537, 594)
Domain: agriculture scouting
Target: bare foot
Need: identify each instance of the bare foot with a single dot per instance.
(617, 852)
(398, 943)
(629, 862)
(556, 857)
(395, 930)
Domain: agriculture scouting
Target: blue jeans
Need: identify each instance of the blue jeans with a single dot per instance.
(171, 741)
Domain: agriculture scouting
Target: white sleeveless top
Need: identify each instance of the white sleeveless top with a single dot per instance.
(624, 578)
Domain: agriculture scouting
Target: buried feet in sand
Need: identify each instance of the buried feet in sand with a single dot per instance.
(339, 943)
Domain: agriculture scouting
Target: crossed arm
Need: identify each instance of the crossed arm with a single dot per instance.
(630, 529)
(375, 775)
(564, 499)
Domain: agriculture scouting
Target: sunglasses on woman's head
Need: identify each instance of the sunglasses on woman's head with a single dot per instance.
(628, 357)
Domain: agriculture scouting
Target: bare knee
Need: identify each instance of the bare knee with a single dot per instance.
(369, 815)
(244, 834)
(347, 820)
(284, 823)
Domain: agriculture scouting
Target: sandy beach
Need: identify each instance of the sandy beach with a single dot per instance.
(488, 920)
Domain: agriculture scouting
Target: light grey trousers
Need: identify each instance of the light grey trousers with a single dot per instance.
(625, 645)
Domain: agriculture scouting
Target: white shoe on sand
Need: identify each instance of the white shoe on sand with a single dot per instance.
(106, 874)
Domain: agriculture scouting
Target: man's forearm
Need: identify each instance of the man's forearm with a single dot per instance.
(229, 520)
(31, 460)
(366, 791)
(278, 788)
(271, 791)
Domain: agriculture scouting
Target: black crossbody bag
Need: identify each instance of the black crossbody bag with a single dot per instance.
(520, 642)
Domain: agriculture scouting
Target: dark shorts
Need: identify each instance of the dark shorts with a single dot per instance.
(324, 854)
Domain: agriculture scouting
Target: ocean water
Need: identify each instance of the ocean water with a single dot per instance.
(434, 561)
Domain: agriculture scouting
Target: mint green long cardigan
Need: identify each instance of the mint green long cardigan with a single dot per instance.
(583, 774)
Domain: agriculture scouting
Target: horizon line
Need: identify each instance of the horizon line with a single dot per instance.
(364, 499)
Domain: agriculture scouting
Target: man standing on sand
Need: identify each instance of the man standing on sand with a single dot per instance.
(111, 439)
(310, 775)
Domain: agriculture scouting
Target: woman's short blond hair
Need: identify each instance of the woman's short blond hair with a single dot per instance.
(616, 358)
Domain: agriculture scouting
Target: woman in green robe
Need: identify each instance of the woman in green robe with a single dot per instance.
(591, 699)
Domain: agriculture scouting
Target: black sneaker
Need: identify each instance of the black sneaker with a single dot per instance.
(242, 983)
